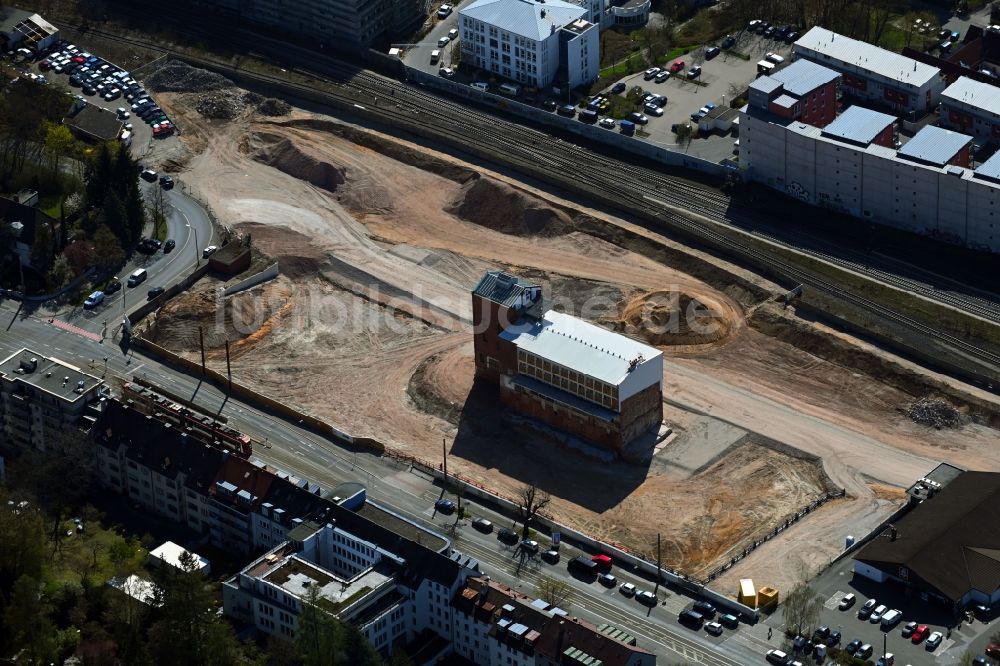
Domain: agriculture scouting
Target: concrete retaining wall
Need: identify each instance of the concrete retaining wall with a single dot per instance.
(268, 273)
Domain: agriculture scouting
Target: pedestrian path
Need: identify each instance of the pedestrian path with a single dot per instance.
(58, 323)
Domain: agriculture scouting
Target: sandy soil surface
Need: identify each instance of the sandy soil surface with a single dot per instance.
(368, 328)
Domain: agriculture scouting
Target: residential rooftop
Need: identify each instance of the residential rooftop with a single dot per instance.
(58, 378)
(934, 145)
(865, 56)
(858, 125)
(533, 19)
(974, 93)
(804, 76)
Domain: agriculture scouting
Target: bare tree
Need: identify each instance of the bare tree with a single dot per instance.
(802, 607)
(531, 501)
(553, 591)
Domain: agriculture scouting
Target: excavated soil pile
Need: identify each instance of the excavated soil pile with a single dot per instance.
(500, 207)
(295, 253)
(935, 413)
(274, 107)
(294, 159)
(177, 76)
(676, 318)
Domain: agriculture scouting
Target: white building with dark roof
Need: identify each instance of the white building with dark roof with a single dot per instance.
(873, 73)
(536, 43)
(971, 107)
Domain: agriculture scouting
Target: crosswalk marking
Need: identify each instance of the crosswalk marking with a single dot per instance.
(58, 323)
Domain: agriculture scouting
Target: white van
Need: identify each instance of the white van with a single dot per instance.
(435, 56)
(511, 89)
(775, 58)
(126, 137)
(480, 85)
(137, 277)
(891, 619)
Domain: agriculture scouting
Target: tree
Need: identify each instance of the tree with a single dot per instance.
(97, 176)
(27, 622)
(108, 252)
(135, 213)
(316, 633)
(114, 216)
(802, 608)
(60, 273)
(531, 500)
(58, 143)
(43, 248)
(80, 255)
(684, 134)
(553, 591)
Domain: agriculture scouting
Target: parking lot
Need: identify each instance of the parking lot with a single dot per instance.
(839, 580)
(94, 77)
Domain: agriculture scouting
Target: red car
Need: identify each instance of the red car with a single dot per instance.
(79, 60)
(993, 651)
(677, 66)
(602, 561)
(920, 634)
(45, 65)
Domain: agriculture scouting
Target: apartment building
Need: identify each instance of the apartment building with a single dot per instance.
(971, 107)
(43, 398)
(537, 43)
(495, 625)
(872, 73)
(801, 91)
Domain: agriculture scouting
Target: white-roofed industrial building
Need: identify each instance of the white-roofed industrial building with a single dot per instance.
(170, 553)
(593, 383)
(536, 43)
(971, 107)
(873, 73)
(851, 166)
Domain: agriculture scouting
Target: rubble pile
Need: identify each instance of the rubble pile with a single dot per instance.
(935, 413)
(274, 107)
(220, 104)
(177, 76)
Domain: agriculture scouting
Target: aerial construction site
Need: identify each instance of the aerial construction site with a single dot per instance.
(379, 241)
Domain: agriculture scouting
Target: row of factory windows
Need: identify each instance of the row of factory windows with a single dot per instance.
(576, 383)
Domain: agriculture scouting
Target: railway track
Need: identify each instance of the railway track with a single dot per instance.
(657, 194)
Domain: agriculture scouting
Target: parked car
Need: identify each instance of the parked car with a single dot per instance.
(444, 11)
(607, 580)
(728, 42)
(865, 611)
(446, 72)
(550, 105)
(618, 88)
(154, 292)
(677, 66)
(877, 614)
(650, 73)
(443, 41)
(834, 638)
(729, 620)
(846, 601)
(821, 634)
(166, 182)
(711, 52)
(148, 175)
(482, 525)
(112, 286)
(704, 607)
(607, 123)
(713, 628)
(646, 598)
(864, 651)
(567, 110)
(638, 118)
(981, 661)
(652, 109)
(507, 536)
(852, 647)
(209, 251)
(888, 659)
(627, 589)
(445, 506)
(777, 657)
(920, 633)
(993, 651)
(169, 246)
(791, 38)
(694, 72)
(551, 556)
(530, 546)
(94, 300)
(453, 34)
(933, 641)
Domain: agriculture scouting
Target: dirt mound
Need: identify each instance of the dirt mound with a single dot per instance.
(220, 104)
(934, 413)
(296, 255)
(274, 107)
(499, 206)
(177, 76)
(294, 159)
(676, 318)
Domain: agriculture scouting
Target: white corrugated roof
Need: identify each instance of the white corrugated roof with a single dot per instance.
(859, 124)
(527, 18)
(974, 93)
(579, 345)
(866, 56)
(804, 76)
(934, 145)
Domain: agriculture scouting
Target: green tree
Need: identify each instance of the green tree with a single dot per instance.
(186, 628)
(115, 217)
(107, 249)
(27, 622)
(43, 248)
(317, 633)
(355, 648)
(97, 176)
(58, 143)
(135, 212)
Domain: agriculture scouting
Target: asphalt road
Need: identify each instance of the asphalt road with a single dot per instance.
(189, 226)
(306, 455)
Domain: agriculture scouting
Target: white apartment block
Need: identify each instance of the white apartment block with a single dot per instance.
(925, 187)
(532, 42)
(872, 73)
(389, 597)
(971, 107)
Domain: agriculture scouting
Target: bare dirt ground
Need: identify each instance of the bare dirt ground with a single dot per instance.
(368, 328)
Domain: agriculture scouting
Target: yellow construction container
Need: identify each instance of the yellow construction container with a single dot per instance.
(747, 595)
(767, 597)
